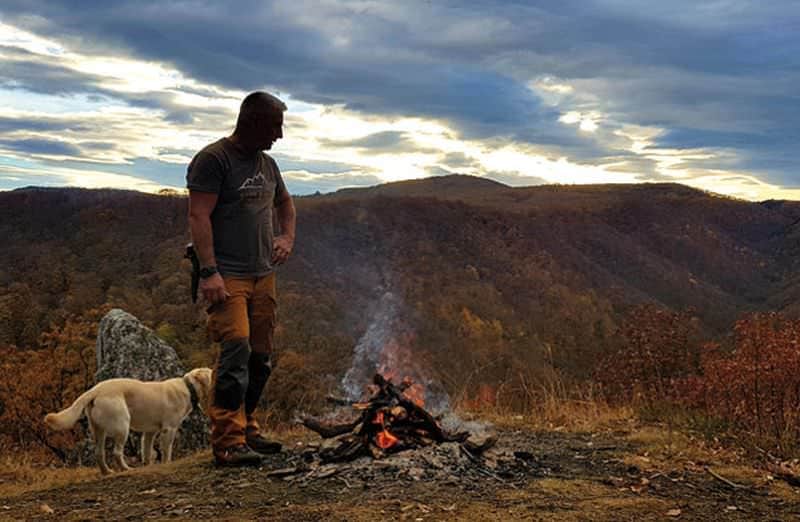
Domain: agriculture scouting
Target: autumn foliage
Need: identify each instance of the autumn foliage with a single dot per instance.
(512, 296)
(659, 352)
(751, 384)
(34, 382)
(757, 386)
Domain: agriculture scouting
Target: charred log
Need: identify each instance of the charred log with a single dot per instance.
(328, 430)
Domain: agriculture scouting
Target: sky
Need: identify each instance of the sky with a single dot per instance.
(123, 94)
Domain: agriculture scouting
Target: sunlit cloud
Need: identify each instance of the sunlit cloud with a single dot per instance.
(382, 92)
(86, 178)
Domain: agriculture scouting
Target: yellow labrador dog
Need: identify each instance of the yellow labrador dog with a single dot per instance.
(117, 406)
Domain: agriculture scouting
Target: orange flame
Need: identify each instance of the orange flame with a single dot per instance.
(386, 440)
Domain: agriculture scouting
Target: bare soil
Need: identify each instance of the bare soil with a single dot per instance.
(529, 475)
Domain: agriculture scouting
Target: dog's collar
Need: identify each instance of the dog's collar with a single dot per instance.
(192, 393)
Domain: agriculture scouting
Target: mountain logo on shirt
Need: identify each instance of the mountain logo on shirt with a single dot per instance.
(253, 188)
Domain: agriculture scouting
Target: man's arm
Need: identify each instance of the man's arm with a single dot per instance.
(201, 205)
(287, 217)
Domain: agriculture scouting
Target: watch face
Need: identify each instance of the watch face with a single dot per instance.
(207, 271)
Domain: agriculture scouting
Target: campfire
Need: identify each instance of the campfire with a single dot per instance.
(393, 419)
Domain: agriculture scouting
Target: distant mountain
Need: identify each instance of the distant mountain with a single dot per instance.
(535, 273)
(455, 186)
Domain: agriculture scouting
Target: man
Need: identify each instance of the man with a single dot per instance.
(233, 189)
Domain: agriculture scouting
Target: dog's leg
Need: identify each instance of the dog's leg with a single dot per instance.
(119, 450)
(167, 438)
(120, 435)
(147, 447)
(100, 448)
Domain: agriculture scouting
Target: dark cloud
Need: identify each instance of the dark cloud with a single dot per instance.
(716, 75)
(772, 150)
(97, 145)
(49, 124)
(380, 143)
(266, 46)
(315, 167)
(458, 160)
(23, 70)
(40, 146)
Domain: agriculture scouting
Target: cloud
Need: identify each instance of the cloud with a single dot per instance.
(395, 142)
(11, 174)
(708, 85)
(40, 146)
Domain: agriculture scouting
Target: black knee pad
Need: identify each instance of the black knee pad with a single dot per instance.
(232, 374)
(260, 367)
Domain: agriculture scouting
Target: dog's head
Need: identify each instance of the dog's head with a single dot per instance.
(201, 380)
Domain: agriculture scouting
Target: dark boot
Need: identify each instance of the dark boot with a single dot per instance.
(263, 445)
(236, 456)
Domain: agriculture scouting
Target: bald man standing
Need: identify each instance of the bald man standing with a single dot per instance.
(233, 189)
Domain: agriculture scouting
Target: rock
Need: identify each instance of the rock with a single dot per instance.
(477, 444)
(127, 348)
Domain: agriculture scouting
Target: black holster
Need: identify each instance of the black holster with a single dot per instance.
(191, 255)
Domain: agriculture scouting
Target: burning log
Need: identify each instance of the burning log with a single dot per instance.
(389, 421)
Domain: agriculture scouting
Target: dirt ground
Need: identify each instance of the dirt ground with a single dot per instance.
(614, 474)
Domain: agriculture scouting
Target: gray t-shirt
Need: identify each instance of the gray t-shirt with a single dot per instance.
(248, 186)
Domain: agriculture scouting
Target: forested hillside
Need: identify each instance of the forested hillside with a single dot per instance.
(485, 288)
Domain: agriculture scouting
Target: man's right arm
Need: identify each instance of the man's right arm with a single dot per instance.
(201, 205)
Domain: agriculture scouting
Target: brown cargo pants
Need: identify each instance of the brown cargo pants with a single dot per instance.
(244, 325)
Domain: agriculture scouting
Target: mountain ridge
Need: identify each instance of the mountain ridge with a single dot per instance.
(531, 269)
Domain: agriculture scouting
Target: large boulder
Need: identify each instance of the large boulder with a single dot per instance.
(127, 348)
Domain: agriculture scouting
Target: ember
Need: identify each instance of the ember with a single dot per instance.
(391, 420)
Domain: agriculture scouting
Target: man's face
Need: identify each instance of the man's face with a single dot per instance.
(271, 130)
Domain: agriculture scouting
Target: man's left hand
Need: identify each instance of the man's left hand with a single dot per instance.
(281, 249)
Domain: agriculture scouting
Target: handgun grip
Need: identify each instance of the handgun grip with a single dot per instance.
(191, 255)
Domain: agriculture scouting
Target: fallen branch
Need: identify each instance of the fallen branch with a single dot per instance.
(339, 401)
(719, 477)
(285, 472)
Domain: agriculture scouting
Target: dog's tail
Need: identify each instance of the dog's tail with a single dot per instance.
(65, 419)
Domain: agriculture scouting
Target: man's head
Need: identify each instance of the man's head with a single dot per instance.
(260, 122)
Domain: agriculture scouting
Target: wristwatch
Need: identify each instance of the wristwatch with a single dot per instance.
(207, 271)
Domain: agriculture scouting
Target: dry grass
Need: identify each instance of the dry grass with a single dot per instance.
(23, 475)
(669, 447)
(557, 412)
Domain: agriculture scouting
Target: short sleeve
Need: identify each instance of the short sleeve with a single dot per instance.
(205, 173)
(280, 186)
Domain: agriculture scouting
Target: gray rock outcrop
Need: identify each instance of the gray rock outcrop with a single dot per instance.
(127, 348)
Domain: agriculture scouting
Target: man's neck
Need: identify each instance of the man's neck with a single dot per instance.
(241, 144)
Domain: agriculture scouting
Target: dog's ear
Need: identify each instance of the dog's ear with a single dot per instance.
(205, 377)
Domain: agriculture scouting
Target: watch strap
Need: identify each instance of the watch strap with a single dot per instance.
(208, 271)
